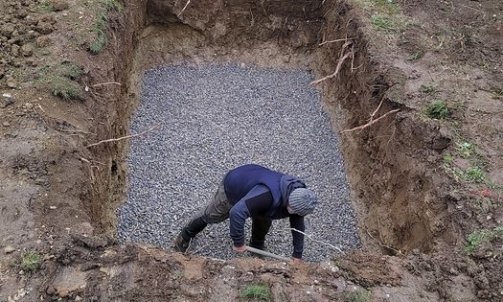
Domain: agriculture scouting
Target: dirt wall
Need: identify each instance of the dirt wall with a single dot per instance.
(390, 164)
(112, 106)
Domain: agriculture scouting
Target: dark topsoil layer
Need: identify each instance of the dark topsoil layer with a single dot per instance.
(58, 196)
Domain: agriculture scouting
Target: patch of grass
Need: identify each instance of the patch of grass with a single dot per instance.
(388, 6)
(361, 295)
(45, 6)
(100, 24)
(427, 89)
(383, 23)
(448, 158)
(70, 70)
(30, 261)
(99, 29)
(465, 149)
(416, 55)
(485, 204)
(437, 110)
(475, 239)
(257, 291)
(112, 4)
(475, 174)
(61, 80)
(65, 88)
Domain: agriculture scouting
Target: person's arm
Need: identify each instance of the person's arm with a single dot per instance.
(238, 214)
(257, 201)
(297, 222)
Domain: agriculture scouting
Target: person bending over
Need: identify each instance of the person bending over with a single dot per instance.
(260, 193)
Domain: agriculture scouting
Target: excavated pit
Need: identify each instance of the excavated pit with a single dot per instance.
(216, 117)
(390, 186)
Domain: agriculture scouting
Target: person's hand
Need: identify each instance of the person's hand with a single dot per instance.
(296, 261)
(239, 249)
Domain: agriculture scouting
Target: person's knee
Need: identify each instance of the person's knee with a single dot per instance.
(212, 218)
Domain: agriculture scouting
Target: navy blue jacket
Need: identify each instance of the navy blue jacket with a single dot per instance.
(251, 187)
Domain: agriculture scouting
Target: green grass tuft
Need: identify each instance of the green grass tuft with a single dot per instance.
(257, 291)
(416, 55)
(70, 70)
(100, 39)
(45, 6)
(65, 88)
(383, 23)
(361, 295)
(475, 239)
(437, 110)
(448, 158)
(465, 149)
(388, 6)
(30, 261)
(475, 174)
(427, 89)
(61, 80)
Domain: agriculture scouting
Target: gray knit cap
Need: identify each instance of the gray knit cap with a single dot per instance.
(302, 201)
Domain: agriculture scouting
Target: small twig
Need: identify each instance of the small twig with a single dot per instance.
(122, 138)
(91, 166)
(377, 109)
(333, 41)
(183, 9)
(252, 21)
(370, 123)
(337, 69)
(75, 131)
(107, 83)
(322, 242)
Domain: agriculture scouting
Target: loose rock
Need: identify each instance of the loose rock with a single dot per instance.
(44, 28)
(11, 82)
(14, 50)
(9, 249)
(59, 5)
(7, 100)
(43, 41)
(27, 50)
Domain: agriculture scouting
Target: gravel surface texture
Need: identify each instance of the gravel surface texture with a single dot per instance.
(215, 118)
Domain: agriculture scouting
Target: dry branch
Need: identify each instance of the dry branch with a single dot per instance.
(123, 138)
(371, 122)
(377, 109)
(107, 83)
(183, 9)
(332, 41)
(337, 69)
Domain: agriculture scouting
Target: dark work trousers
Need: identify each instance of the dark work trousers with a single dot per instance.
(217, 211)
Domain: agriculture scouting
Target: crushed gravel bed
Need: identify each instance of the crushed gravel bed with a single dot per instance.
(214, 118)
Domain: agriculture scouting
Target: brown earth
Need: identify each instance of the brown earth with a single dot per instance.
(420, 185)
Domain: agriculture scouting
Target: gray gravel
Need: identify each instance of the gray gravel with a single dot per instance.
(214, 118)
